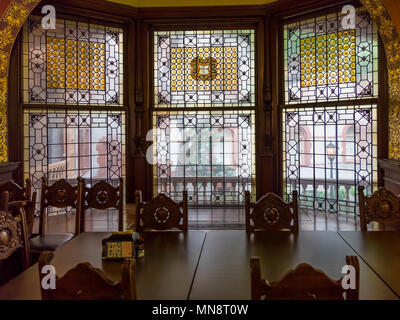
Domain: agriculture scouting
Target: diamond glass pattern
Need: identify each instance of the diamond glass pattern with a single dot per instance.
(324, 61)
(209, 154)
(325, 183)
(69, 144)
(77, 63)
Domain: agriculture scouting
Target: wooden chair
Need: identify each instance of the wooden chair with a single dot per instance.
(85, 282)
(13, 235)
(302, 283)
(60, 194)
(17, 193)
(103, 196)
(161, 213)
(383, 207)
(271, 213)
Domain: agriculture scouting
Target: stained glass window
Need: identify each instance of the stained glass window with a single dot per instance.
(330, 147)
(204, 68)
(328, 182)
(209, 154)
(326, 60)
(77, 63)
(71, 75)
(69, 144)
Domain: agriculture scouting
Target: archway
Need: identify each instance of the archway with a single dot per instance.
(390, 37)
(12, 18)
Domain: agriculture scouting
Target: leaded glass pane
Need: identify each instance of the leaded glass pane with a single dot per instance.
(328, 152)
(211, 155)
(69, 144)
(77, 63)
(326, 60)
(204, 68)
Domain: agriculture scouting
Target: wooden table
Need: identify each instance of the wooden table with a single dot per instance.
(381, 251)
(224, 268)
(168, 270)
(165, 272)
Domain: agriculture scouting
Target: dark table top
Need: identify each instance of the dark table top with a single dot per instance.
(165, 272)
(222, 261)
(381, 251)
(224, 268)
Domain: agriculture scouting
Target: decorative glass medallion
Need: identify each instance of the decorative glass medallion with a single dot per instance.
(204, 68)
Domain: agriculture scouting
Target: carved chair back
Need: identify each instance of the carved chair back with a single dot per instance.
(303, 283)
(161, 213)
(271, 213)
(101, 196)
(13, 232)
(17, 193)
(382, 206)
(84, 282)
(60, 194)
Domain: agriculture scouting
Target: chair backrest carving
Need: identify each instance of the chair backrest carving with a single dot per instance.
(14, 190)
(84, 282)
(271, 213)
(161, 213)
(303, 283)
(13, 232)
(10, 230)
(101, 196)
(60, 194)
(382, 206)
(17, 193)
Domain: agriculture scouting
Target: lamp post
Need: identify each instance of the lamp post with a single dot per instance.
(331, 154)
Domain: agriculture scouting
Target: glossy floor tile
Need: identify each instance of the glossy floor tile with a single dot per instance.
(205, 218)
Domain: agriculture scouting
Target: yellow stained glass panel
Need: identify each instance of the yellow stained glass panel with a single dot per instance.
(221, 69)
(75, 64)
(328, 59)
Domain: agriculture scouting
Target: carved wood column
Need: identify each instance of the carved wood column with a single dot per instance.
(139, 118)
(267, 105)
(267, 173)
(275, 60)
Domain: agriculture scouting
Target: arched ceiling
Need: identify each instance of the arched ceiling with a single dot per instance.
(187, 3)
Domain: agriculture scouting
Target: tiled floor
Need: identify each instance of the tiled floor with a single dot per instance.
(205, 218)
(322, 221)
(216, 218)
(233, 218)
(105, 220)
